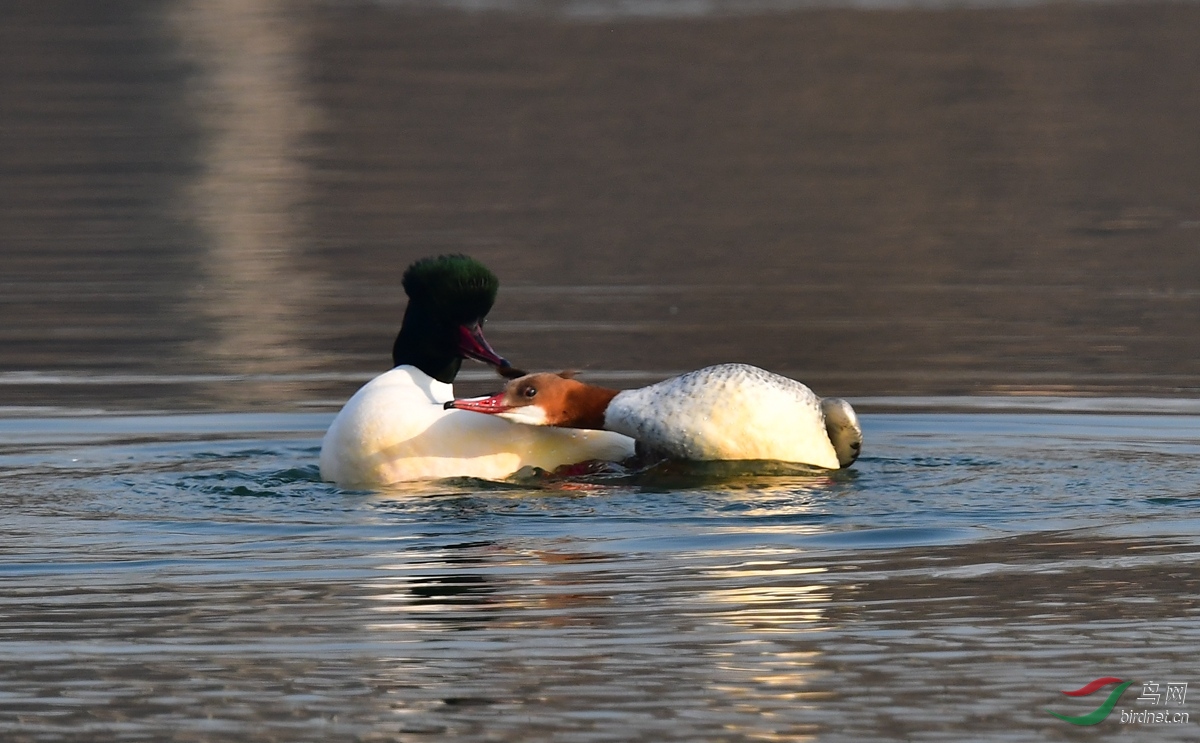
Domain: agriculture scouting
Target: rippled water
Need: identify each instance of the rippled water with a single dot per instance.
(992, 207)
(187, 577)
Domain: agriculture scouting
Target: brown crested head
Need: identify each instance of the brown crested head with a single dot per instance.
(546, 400)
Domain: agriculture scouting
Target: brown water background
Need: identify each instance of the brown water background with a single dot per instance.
(890, 201)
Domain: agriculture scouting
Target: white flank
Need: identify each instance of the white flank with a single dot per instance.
(395, 429)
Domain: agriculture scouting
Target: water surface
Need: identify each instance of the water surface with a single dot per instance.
(991, 209)
(188, 577)
(909, 201)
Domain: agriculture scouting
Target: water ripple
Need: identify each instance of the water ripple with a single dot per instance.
(184, 575)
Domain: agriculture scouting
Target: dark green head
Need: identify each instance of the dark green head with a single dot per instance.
(448, 299)
(456, 287)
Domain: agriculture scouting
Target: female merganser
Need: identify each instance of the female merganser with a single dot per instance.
(396, 427)
(728, 411)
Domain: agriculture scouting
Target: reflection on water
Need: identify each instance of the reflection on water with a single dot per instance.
(917, 201)
(185, 576)
(248, 91)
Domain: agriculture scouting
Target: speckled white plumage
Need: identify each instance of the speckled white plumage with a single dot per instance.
(728, 411)
(395, 429)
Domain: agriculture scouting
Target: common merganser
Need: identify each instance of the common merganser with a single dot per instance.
(728, 411)
(396, 428)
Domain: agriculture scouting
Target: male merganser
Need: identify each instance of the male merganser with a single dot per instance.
(728, 411)
(396, 428)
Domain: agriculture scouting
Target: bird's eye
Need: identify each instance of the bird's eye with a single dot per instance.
(529, 392)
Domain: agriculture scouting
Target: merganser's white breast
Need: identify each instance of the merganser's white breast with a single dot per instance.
(395, 429)
(728, 411)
